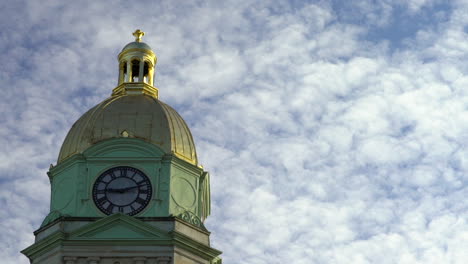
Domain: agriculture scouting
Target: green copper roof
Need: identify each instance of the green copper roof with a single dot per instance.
(137, 116)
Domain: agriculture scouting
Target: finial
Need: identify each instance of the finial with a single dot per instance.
(138, 35)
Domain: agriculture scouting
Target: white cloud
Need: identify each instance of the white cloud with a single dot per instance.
(324, 146)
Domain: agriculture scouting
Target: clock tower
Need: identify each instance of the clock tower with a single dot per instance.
(127, 187)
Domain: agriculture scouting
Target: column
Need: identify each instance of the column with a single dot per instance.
(129, 71)
(121, 73)
(142, 65)
(150, 74)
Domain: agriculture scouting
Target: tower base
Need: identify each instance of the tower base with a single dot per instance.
(121, 239)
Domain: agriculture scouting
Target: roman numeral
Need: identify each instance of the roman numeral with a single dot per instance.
(101, 191)
(105, 180)
(123, 172)
(109, 208)
(102, 200)
(143, 191)
(120, 209)
(140, 200)
(142, 183)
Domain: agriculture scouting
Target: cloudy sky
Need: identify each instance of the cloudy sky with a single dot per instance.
(334, 131)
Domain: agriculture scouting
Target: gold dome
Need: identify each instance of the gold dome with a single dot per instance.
(137, 116)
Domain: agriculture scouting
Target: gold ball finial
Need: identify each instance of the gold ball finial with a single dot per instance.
(138, 35)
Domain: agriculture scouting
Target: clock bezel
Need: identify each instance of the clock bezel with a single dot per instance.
(98, 179)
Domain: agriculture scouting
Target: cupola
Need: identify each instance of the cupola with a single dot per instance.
(137, 62)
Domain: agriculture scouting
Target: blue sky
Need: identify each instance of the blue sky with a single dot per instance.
(334, 131)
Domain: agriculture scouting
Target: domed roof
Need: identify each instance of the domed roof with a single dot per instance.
(138, 116)
(136, 45)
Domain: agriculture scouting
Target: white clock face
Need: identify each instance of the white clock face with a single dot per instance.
(122, 190)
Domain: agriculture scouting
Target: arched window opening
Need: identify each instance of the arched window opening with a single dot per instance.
(123, 72)
(146, 73)
(135, 70)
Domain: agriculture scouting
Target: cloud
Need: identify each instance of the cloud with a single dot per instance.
(330, 136)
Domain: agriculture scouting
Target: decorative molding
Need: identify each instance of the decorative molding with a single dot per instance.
(217, 260)
(119, 227)
(135, 260)
(139, 260)
(93, 260)
(102, 149)
(183, 192)
(79, 237)
(163, 260)
(65, 164)
(184, 242)
(135, 88)
(204, 197)
(183, 164)
(193, 219)
(45, 245)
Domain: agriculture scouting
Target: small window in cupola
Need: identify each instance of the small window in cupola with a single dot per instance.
(146, 73)
(123, 72)
(135, 70)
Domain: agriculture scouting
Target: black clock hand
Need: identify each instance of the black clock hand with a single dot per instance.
(129, 188)
(115, 190)
(121, 190)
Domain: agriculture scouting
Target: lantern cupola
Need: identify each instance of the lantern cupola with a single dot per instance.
(136, 68)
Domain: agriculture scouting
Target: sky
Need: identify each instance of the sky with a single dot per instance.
(334, 131)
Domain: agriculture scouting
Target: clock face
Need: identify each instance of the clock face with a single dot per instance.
(122, 190)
